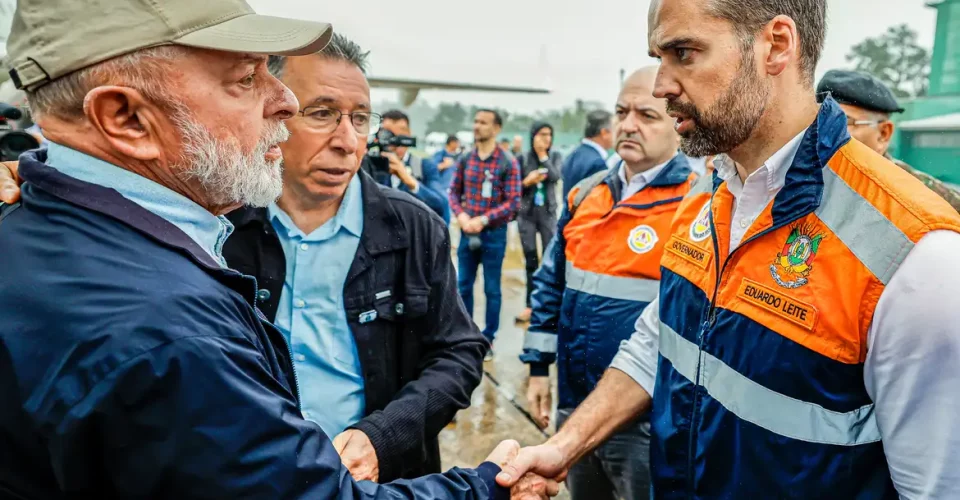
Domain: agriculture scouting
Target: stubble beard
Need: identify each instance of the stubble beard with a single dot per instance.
(731, 120)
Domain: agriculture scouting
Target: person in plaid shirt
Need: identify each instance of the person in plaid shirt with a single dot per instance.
(484, 196)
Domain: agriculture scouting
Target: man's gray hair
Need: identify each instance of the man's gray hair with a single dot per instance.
(749, 16)
(340, 48)
(142, 70)
(597, 120)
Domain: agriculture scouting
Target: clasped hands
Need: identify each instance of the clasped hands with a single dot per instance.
(519, 466)
(470, 225)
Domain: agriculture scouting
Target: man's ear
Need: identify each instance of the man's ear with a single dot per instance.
(886, 131)
(783, 44)
(127, 121)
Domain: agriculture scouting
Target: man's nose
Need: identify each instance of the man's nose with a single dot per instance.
(284, 105)
(665, 86)
(345, 136)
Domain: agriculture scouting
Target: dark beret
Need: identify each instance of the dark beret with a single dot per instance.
(859, 89)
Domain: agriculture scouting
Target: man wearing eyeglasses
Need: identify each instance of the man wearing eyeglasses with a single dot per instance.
(359, 281)
(361, 286)
(868, 104)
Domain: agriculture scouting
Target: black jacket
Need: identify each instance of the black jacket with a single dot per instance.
(530, 162)
(422, 356)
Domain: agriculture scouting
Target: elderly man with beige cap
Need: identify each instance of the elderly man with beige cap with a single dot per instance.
(133, 362)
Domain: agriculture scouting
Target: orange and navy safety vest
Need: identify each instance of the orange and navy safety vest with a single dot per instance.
(760, 390)
(598, 274)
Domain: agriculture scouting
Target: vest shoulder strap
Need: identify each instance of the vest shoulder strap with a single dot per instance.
(584, 188)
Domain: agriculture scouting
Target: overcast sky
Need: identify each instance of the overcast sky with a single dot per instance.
(583, 42)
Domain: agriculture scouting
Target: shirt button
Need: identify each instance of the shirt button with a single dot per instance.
(743, 223)
(299, 303)
(263, 295)
(304, 246)
(300, 357)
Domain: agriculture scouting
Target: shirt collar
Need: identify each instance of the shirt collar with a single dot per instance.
(773, 172)
(643, 178)
(588, 142)
(406, 158)
(349, 217)
(210, 232)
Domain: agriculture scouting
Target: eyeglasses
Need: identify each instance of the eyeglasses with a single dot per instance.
(856, 123)
(326, 119)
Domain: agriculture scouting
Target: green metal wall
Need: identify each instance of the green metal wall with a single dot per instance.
(945, 61)
(936, 153)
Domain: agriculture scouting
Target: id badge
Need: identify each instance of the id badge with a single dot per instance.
(538, 199)
(486, 190)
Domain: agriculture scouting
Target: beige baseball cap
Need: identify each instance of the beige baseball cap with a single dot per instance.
(51, 38)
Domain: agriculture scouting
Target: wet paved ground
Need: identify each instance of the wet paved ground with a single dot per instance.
(498, 404)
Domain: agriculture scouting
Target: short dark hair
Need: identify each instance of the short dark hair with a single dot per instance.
(340, 48)
(497, 119)
(396, 115)
(748, 16)
(597, 120)
(452, 139)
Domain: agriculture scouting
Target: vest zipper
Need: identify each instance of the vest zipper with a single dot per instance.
(709, 321)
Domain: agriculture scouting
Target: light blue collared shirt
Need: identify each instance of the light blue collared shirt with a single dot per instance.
(312, 317)
(207, 230)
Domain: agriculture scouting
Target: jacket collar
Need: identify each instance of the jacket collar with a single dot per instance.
(676, 172)
(380, 219)
(802, 192)
(382, 227)
(106, 201)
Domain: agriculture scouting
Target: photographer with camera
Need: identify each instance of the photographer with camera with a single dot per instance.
(389, 162)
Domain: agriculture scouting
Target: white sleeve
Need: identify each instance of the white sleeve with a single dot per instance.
(640, 353)
(912, 369)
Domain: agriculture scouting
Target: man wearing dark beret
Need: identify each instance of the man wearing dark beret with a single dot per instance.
(868, 104)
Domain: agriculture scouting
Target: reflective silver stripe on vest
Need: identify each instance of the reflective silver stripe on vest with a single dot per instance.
(543, 342)
(613, 287)
(879, 244)
(763, 407)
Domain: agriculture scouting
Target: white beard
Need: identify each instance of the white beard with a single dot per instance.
(225, 173)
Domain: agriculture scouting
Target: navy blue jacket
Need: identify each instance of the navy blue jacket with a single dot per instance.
(132, 366)
(432, 192)
(580, 164)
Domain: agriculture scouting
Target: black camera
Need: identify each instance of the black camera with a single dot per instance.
(13, 142)
(384, 141)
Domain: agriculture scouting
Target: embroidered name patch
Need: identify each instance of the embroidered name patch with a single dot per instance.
(782, 305)
(689, 252)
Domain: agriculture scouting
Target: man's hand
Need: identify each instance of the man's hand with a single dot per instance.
(398, 169)
(540, 400)
(545, 460)
(470, 225)
(357, 454)
(528, 487)
(445, 164)
(9, 182)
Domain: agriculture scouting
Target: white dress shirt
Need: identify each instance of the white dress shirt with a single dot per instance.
(638, 181)
(912, 368)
